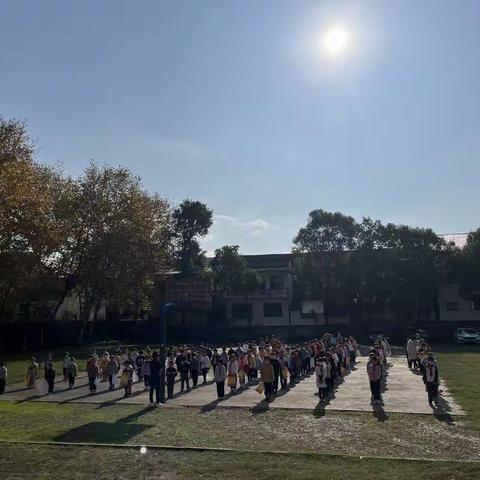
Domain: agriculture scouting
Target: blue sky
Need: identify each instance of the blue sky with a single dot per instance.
(235, 103)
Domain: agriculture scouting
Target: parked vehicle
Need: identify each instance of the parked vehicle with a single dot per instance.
(466, 335)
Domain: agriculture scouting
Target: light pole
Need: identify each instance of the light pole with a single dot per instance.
(164, 314)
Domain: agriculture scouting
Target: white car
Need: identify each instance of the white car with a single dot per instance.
(466, 335)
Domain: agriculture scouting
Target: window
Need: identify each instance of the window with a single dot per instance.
(241, 310)
(476, 304)
(452, 306)
(272, 310)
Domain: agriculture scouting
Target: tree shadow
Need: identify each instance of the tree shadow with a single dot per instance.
(103, 432)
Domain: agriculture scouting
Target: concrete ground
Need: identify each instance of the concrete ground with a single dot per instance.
(403, 392)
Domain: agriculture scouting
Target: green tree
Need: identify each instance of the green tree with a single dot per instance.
(320, 246)
(466, 265)
(116, 239)
(191, 221)
(28, 231)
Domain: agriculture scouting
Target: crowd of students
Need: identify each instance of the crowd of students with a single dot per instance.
(421, 359)
(268, 363)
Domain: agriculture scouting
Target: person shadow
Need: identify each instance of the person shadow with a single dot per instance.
(214, 404)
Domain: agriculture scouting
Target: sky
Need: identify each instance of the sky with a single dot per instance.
(239, 105)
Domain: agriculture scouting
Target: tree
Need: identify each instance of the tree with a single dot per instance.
(232, 276)
(320, 246)
(28, 231)
(191, 220)
(466, 265)
(228, 268)
(116, 238)
(15, 143)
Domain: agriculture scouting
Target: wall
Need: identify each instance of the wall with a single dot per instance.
(465, 313)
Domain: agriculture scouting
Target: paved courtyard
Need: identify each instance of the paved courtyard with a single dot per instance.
(403, 392)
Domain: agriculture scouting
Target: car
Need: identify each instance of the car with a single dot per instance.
(466, 335)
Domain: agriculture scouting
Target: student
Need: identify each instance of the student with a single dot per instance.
(3, 377)
(276, 371)
(204, 365)
(267, 376)
(430, 379)
(50, 376)
(232, 373)
(242, 369)
(32, 373)
(92, 373)
(184, 368)
(220, 374)
(112, 371)
(72, 372)
(139, 361)
(321, 378)
(171, 373)
(66, 363)
(194, 369)
(146, 371)
(127, 378)
(374, 370)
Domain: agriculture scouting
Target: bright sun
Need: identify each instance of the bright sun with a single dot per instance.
(336, 41)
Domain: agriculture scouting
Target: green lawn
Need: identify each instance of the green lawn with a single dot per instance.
(55, 462)
(276, 429)
(459, 366)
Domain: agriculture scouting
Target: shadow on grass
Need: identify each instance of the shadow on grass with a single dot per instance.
(103, 432)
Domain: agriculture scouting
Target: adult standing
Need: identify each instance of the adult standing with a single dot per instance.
(194, 368)
(156, 369)
(220, 374)
(412, 355)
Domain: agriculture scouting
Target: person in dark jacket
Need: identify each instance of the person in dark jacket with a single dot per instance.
(194, 369)
(50, 376)
(184, 369)
(430, 379)
(276, 372)
(156, 369)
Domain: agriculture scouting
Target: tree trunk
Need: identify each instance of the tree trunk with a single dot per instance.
(4, 300)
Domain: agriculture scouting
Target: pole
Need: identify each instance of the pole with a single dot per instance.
(164, 313)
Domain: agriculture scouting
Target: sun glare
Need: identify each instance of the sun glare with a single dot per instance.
(336, 41)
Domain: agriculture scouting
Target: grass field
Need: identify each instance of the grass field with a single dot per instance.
(459, 366)
(47, 462)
